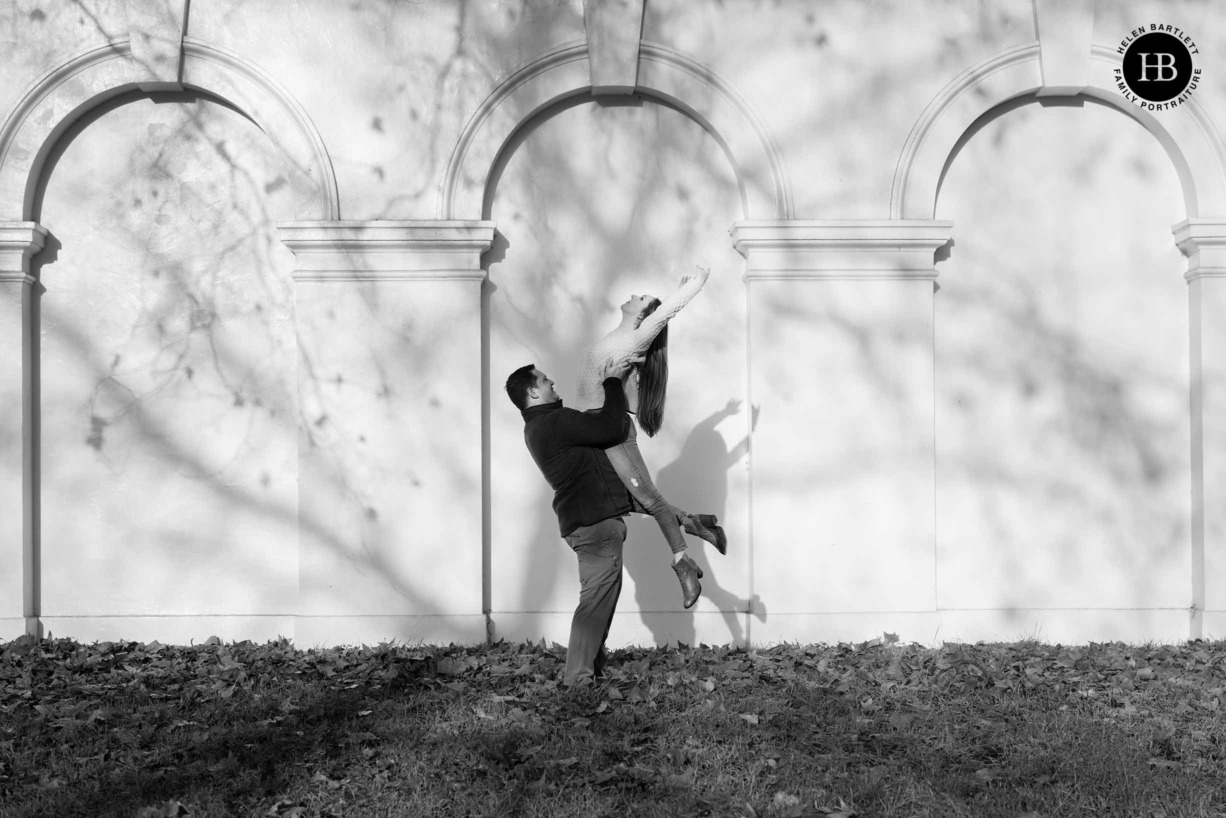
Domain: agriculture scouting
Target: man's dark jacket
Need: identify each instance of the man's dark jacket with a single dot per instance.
(568, 447)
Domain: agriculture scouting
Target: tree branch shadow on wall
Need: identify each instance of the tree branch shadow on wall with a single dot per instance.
(1095, 440)
(1086, 395)
(231, 362)
(1104, 426)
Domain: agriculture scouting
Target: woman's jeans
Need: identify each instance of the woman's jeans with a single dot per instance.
(630, 467)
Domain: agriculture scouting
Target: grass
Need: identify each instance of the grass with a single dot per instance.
(872, 730)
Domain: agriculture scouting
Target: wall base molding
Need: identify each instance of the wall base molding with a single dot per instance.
(12, 627)
(1213, 627)
(169, 630)
(329, 631)
(1135, 626)
(635, 628)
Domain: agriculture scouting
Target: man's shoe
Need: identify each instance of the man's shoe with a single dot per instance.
(707, 527)
(688, 573)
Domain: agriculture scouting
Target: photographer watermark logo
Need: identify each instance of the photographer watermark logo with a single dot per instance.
(1158, 71)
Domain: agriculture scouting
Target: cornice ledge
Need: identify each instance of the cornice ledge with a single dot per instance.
(387, 250)
(1203, 241)
(887, 249)
(32, 234)
(18, 242)
(412, 234)
(334, 274)
(842, 232)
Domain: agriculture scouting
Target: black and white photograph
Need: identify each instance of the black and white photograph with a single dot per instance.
(680, 408)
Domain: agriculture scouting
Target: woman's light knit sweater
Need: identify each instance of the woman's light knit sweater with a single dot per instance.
(624, 342)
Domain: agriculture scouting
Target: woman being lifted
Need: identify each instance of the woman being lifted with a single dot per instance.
(644, 331)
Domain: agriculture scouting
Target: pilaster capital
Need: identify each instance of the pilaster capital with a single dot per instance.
(845, 249)
(387, 250)
(18, 242)
(1203, 241)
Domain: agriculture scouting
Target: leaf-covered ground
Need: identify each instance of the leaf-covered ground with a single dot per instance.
(877, 729)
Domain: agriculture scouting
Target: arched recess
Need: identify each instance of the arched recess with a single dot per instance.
(1185, 132)
(663, 74)
(56, 100)
(1197, 153)
(596, 201)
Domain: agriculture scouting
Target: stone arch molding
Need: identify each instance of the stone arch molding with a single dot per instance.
(60, 97)
(663, 74)
(1185, 132)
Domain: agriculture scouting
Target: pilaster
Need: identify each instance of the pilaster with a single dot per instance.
(18, 431)
(390, 441)
(841, 369)
(1203, 241)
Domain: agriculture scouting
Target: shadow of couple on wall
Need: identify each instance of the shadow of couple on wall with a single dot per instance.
(697, 481)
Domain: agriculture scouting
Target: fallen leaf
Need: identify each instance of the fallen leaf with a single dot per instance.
(841, 811)
(902, 721)
(171, 809)
(784, 801)
(751, 718)
(448, 666)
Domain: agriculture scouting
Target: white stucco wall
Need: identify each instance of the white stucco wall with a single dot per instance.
(253, 386)
(168, 423)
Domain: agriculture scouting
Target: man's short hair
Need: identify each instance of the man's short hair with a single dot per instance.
(518, 384)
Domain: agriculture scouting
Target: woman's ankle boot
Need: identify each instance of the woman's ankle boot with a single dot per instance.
(688, 574)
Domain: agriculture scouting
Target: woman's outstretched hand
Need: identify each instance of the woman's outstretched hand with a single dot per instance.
(702, 275)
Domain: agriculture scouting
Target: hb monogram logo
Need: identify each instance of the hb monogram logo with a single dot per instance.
(1164, 63)
(1157, 71)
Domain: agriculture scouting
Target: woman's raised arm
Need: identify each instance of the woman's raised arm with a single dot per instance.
(652, 324)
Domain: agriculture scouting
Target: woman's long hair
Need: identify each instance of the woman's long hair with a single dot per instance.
(653, 378)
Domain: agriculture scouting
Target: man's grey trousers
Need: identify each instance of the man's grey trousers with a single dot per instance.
(599, 549)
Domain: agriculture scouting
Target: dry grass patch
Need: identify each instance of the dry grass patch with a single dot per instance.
(877, 729)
